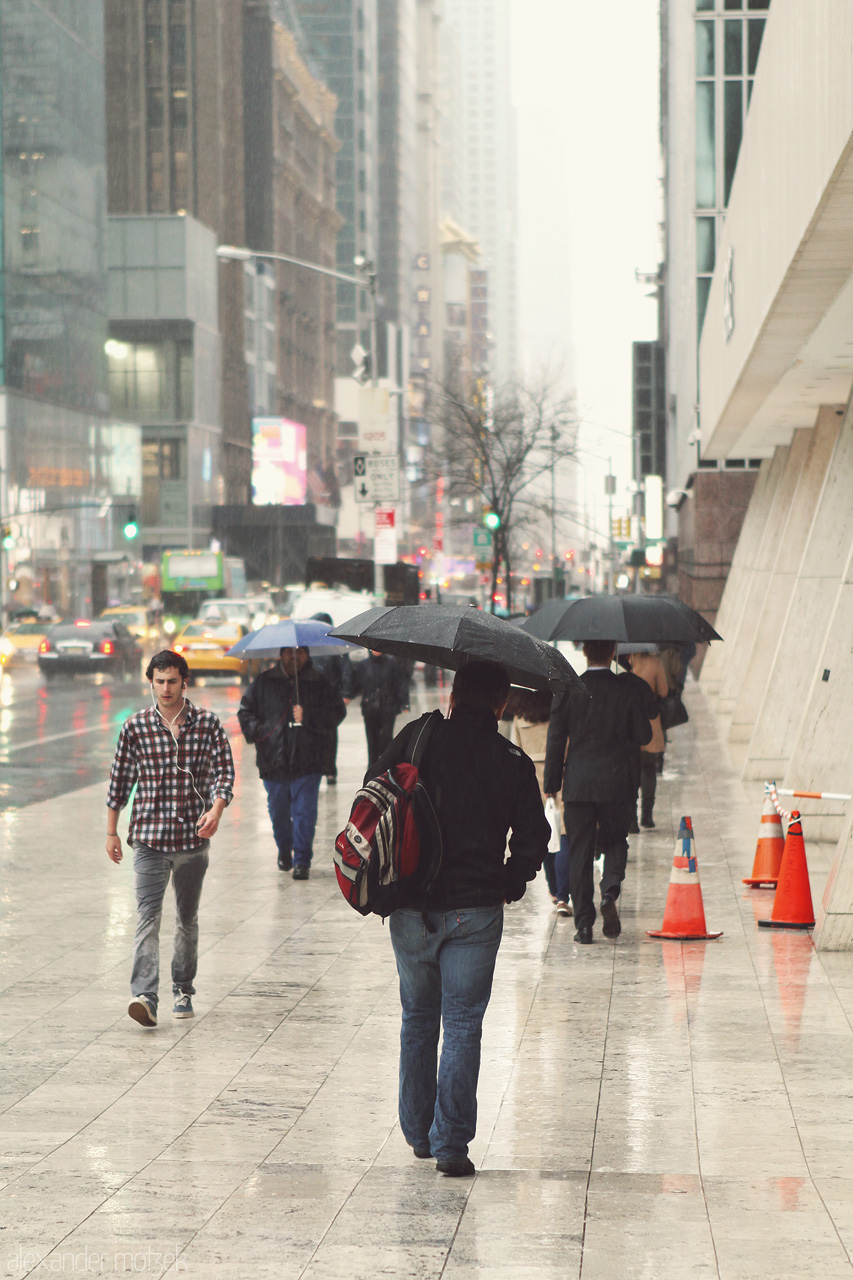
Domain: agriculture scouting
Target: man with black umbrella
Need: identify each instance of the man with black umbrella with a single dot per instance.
(603, 733)
(446, 944)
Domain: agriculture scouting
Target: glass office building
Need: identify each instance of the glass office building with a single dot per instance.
(61, 455)
(341, 40)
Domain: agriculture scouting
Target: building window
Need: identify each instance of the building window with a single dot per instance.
(703, 288)
(178, 45)
(154, 114)
(755, 32)
(180, 109)
(706, 166)
(705, 248)
(733, 131)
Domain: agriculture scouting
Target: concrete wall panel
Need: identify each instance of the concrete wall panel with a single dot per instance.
(731, 606)
(810, 604)
(810, 455)
(822, 758)
(758, 581)
(834, 916)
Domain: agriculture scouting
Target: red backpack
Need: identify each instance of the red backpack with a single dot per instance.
(390, 851)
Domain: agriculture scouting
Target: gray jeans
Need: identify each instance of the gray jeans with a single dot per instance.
(151, 871)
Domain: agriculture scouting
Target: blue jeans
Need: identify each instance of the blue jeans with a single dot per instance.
(151, 871)
(292, 803)
(445, 977)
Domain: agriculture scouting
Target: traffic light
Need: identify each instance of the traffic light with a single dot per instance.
(7, 537)
(131, 528)
(491, 518)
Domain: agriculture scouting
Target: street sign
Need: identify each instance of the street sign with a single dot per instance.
(385, 536)
(483, 566)
(377, 477)
(482, 538)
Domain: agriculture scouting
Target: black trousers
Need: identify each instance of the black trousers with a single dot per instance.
(648, 781)
(581, 818)
(379, 728)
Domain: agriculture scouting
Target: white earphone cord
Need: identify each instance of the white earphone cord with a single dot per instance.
(170, 726)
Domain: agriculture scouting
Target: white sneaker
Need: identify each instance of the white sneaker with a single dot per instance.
(564, 909)
(142, 1011)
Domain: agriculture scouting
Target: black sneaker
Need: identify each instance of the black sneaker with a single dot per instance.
(611, 925)
(647, 823)
(300, 871)
(456, 1167)
(284, 864)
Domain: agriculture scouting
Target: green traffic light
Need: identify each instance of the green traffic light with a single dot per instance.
(131, 529)
(492, 520)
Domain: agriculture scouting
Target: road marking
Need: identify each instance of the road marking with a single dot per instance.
(55, 737)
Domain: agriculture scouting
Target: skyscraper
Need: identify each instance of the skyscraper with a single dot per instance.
(489, 203)
(341, 39)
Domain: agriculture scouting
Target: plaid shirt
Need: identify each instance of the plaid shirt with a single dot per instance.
(166, 809)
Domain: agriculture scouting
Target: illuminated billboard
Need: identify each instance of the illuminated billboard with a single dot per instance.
(278, 462)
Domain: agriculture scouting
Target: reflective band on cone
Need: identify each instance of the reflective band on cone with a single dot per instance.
(684, 915)
(768, 850)
(792, 906)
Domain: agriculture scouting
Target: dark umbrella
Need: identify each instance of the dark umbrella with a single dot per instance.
(451, 635)
(660, 619)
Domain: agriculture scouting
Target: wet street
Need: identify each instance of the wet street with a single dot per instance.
(60, 737)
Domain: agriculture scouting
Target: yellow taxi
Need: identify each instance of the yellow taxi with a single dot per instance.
(20, 641)
(204, 645)
(141, 622)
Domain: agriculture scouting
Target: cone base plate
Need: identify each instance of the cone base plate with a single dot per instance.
(682, 937)
(756, 884)
(786, 924)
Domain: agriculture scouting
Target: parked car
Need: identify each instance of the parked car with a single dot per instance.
(88, 646)
(204, 645)
(140, 622)
(20, 641)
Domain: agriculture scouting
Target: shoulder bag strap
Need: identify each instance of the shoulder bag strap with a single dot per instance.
(421, 742)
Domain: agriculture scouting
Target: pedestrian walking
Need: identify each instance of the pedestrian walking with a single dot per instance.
(445, 946)
(179, 759)
(530, 732)
(647, 667)
(291, 713)
(335, 668)
(381, 681)
(597, 775)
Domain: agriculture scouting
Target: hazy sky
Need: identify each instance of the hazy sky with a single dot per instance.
(586, 91)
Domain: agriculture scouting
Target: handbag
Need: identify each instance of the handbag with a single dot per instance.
(672, 710)
(552, 813)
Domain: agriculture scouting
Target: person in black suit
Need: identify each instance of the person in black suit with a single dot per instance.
(603, 734)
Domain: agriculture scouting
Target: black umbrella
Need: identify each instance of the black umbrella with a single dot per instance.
(451, 635)
(661, 619)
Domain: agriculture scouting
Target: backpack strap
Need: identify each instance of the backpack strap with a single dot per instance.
(422, 739)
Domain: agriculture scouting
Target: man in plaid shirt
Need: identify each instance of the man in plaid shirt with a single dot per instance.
(179, 757)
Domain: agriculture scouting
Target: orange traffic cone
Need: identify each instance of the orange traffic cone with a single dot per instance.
(792, 906)
(768, 850)
(684, 915)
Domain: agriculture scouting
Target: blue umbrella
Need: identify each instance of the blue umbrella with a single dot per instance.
(290, 633)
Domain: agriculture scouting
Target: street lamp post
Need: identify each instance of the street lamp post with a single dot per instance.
(366, 280)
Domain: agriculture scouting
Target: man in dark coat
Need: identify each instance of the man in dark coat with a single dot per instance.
(598, 781)
(445, 945)
(335, 668)
(291, 713)
(384, 690)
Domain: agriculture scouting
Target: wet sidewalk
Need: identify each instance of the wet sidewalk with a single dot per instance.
(647, 1109)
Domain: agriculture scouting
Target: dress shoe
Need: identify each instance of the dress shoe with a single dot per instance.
(633, 828)
(611, 924)
(422, 1150)
(300, 871)
(456, 1167)
(647, 823)
(284, 864)
(584, 935)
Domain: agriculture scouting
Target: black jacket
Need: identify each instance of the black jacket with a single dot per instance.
(603, 732)
(285, 751)
(482, 787)
(381, 682)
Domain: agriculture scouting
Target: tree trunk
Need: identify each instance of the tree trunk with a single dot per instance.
(508, 576)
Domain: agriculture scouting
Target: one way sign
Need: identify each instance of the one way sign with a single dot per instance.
(377, 477)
